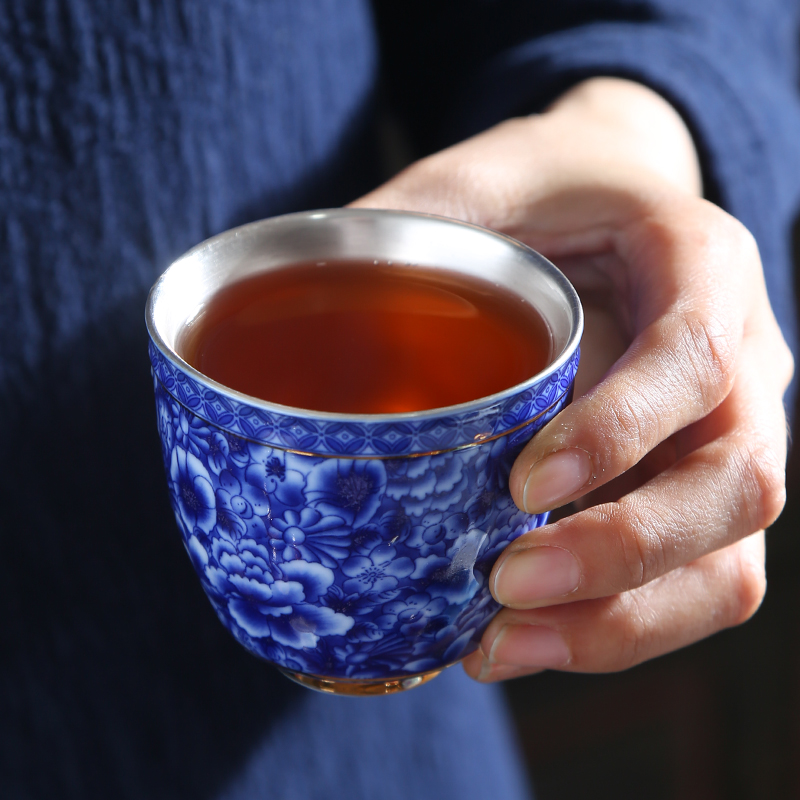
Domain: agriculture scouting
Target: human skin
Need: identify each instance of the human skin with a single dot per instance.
(674, 450)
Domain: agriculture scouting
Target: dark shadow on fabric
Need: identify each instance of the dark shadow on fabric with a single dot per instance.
(355, 167)
(720, 719)
(120, 679)
(425, 72)
(116, 677)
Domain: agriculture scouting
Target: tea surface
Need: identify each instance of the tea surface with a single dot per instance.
(360, 337)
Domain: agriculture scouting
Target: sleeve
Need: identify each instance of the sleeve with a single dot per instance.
(728, 66)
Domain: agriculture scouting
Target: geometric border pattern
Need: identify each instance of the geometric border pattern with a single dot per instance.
(381, 438)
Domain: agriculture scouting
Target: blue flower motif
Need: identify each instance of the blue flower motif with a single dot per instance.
(364, 631)
(345, 488)
(376, 572)
(217, 452)
(454, 577)
(360, 568)
(428, 483)
(490, 482)
(372, 659)
(279, 606)
(256, 485)
(245, 558)
(192, 491)
(464, 634)
(436, 531)
(364, 540)
(301, 627)
(504, 526)
(475, 616)
(288, 658)
(358, 605)
(192, 433)
(419, 614)
(238, 450)
(310, 536)
(394, 525)
(392, 528)
(275, 474)
(236, 514)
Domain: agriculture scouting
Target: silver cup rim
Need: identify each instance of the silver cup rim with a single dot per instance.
(555, 274)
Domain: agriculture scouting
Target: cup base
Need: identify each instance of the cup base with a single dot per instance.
(355, 688)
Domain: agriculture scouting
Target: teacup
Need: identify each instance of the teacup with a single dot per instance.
(351, 551)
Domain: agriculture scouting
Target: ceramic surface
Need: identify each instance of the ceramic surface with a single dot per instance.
(346, 567)
(356, 548)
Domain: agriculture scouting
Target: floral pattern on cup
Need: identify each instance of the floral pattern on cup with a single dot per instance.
(348, 567)
(227, 411)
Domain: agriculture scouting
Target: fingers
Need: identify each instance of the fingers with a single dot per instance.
(730, 486)
(687, 274)
(688, 309)
(690, 390)
(718, 591)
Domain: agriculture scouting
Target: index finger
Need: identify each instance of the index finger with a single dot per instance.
(686, 276)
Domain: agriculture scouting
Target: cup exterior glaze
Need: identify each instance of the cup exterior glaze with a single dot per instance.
(357, 548)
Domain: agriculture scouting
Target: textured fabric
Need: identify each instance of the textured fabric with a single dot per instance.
(129, 131)
(730, 68)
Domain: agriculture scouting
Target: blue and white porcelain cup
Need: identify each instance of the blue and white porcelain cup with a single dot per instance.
(351, 551)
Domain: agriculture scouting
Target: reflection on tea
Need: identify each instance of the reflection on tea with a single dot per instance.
(364, 337)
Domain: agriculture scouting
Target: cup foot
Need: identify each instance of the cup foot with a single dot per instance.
(356, 688)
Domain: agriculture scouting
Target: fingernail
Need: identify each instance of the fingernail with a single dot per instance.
(529, 646)
(555, 478)
(527, 577)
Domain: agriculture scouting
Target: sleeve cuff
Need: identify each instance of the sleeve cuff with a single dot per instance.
(744, 118)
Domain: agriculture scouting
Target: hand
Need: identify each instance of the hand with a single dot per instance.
(675, 447)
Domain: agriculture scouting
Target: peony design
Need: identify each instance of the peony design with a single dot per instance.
(363, 567)
(429, 483)
(166, 409)
(192, 433)
(349, 489)
(281, 604)
(192, 492)
(490, 493)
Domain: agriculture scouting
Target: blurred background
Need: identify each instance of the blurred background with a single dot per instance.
(720, 719)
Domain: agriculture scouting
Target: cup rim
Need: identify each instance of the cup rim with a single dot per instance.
(558, 277)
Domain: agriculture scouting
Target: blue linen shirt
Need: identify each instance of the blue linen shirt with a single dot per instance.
(129, 131)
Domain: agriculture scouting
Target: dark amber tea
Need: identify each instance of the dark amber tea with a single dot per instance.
(360, 337)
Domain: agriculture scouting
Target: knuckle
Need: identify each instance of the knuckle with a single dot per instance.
(739, 235)
(750, 587)
(626, 436)
(745, 241)
(712, 350)
(785, 369)
(724, 230)
(636, 624)
(719, 236)
(766, 477)
(642, 547)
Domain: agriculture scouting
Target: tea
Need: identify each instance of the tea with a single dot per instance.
(364, 337)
